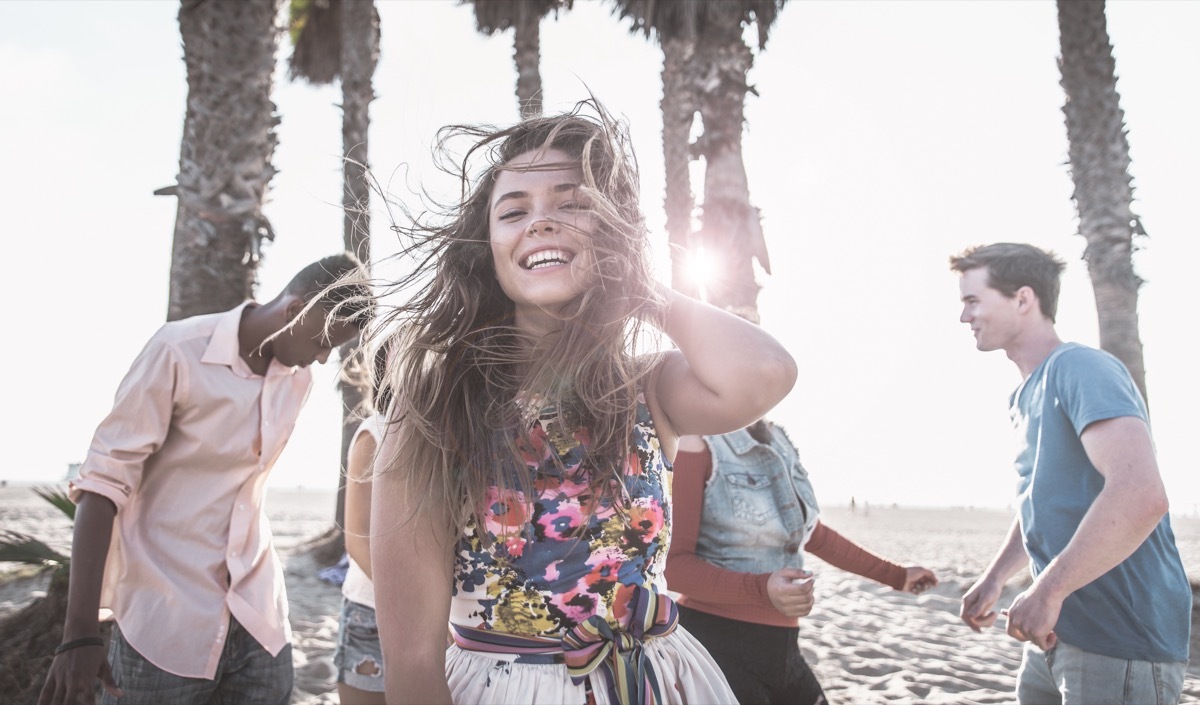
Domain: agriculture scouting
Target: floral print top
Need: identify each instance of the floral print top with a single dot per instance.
(541, 576)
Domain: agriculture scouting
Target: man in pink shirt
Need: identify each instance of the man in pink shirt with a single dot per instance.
(169, 528)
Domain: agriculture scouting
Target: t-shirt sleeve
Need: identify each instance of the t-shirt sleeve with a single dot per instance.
(688, 573)
(1092, 386)
(135, 428)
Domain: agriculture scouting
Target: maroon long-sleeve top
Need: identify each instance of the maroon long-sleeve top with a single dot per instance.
(743, 596)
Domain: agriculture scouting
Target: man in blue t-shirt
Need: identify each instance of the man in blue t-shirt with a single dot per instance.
(1109, 609)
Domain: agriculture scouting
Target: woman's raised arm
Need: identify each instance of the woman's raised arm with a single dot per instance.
(726, 374)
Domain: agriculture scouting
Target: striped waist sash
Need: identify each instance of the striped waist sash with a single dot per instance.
(592, 645)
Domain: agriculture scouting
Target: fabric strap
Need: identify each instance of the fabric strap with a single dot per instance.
(594, 644)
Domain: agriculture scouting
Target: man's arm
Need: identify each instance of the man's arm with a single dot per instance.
(73, 673)
(977, 604)
(1125, 512)
(134, 430)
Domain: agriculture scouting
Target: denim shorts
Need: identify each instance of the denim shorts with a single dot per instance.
(358, 656)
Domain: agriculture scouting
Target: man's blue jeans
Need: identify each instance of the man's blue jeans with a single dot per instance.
(246, 674)
(1067, 675)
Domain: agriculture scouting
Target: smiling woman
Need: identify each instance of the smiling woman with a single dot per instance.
(540, 233)
(522, 487)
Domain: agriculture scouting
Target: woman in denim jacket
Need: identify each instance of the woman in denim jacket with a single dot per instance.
(744, 509)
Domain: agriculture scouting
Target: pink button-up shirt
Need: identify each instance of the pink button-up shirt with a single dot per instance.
(184, 455)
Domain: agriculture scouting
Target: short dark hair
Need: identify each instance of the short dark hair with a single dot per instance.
(1012, 265)
(341, 286)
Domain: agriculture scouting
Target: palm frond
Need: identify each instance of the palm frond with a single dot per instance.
(690, 19)
(492, 16)
(16, 547)
(315, 27)
(59, 498)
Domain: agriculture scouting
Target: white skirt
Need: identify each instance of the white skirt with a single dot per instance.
(686, 673)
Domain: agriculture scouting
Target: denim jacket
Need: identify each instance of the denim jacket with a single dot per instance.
(759, 506)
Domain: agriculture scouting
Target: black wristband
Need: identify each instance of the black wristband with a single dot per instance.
(75, 644)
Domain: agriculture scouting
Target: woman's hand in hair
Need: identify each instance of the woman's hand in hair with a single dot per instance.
(726, 374)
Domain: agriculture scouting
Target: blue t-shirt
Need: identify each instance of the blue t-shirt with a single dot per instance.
(1141, 609)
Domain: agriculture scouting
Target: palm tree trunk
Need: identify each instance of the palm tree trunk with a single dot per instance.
(360, 55)
(679, 110)
(731, 230)
(527, 56)
(225, 157)
(1099, 163)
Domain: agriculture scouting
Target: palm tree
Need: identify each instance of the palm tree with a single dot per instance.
(705, 69)
(1099, 164)
(339, 39)
(525, 18)
(679, 113)
(225, 156)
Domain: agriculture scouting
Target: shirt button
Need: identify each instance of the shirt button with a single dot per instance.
(791, 547)
(241, 506)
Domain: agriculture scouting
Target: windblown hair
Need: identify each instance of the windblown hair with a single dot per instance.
(467, 383)
(1012, 265)
(339, 285)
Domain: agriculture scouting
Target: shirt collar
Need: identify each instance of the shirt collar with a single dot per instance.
(741, 441)
(224, 348)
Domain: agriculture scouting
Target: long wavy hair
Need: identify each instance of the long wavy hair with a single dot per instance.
(467, 384)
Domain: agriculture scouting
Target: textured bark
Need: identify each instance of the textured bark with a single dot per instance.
(359, 57)
(705, 65)
(525, 18)
(1099, 165)
(225, 157)
(527, 56)
(731, 228)
(679, 111)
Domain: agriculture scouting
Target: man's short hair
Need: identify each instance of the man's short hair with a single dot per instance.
(1012, 265)
(341, 286)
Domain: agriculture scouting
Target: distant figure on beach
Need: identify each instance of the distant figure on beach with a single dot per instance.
(169, 528)
(1109, 609)
(522, 492)
(359, 656)
(745, 513)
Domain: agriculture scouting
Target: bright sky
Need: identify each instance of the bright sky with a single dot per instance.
(888, 135)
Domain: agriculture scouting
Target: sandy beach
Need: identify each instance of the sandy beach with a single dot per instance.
(867, 644)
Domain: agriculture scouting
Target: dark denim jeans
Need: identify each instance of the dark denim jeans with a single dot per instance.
(762, 664)
(246, 674)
